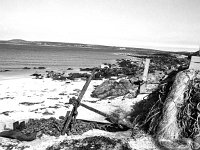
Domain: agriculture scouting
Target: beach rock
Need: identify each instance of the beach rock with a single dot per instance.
(26, 68)
(105, 66)
(69, 69)
(155, 77)
(124, 67)
(4, 70)
(72, 76)
(56, 75)
(86, 69)
(38, 75)
(115, 88)
(39, 68)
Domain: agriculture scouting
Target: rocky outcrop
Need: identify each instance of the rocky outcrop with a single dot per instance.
(116, 88)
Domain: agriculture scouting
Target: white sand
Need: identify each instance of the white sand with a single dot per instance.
(44, 92)
(47, 94)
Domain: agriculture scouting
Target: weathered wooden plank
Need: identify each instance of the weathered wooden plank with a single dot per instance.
(146, 69)
(111, 118)
(195, 63)
(144, 77)
(65, 123)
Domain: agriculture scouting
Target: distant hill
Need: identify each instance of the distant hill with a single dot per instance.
(139, 51)
(18, 41)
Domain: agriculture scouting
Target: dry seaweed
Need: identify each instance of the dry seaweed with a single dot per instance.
(188, 117)
(92, 143)
(147, 113)
(53, 126)
(182, 124)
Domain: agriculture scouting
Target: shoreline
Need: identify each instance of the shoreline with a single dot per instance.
(26, 73)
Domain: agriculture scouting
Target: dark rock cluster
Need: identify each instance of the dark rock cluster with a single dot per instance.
(56, 75)
(37, 75)
(39, 68)
(34, 68)
(123, 67)
(72, 76)
(86, 69)
(164, 62)
(114, 88)
(26, 68)
(4, 70)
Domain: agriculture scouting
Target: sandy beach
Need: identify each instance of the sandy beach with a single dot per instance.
(44, 97)
(25, 98)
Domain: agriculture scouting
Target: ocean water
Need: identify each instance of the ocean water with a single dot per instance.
(16, 57)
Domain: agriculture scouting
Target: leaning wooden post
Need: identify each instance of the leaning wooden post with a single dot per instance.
(65, 123)
(111, 118)
(144, 77)
(169, 131)
(73, 114)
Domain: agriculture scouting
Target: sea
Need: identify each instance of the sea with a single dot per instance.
(17, 57)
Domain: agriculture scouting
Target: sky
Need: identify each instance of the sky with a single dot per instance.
(157, 24)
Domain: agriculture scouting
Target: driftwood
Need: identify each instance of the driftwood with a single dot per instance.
(17, 134)
(110, 118)
(12, 134)
(169, 133)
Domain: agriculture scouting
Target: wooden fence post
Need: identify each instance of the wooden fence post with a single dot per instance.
(144, 77)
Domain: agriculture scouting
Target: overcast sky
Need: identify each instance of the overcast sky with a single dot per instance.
(174, 23)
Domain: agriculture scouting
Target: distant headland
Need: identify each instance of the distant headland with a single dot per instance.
(92, 46)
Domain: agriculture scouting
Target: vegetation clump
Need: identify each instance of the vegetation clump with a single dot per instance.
(92, 143)
(172, 114)
(53, 126)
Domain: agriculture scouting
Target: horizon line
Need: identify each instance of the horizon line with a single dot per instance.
(135, 44)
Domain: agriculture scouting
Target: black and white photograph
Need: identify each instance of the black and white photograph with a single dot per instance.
(99, 74)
